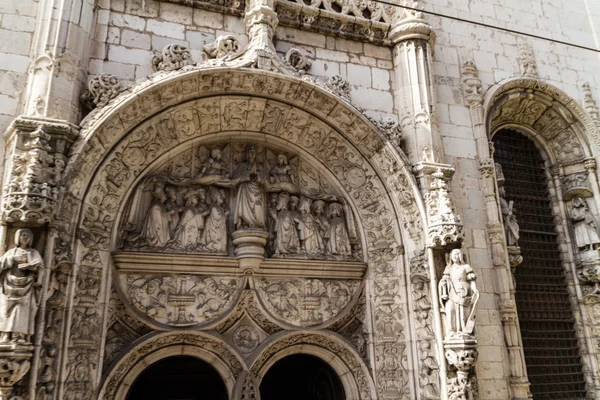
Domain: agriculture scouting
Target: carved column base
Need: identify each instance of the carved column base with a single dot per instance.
(461, 354)
(250, 247)
(15, 360)
(514, 257)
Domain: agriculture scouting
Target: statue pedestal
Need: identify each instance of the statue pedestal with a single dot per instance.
(250, 247)
(15, 360)
(514, 257)
(461, 354)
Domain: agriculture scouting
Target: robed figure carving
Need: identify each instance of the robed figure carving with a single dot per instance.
(250, 206)
(156, 229)
(21, 279)
(458, 295)
(511, 226)
(586, 233)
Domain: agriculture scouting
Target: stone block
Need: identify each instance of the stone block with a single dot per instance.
(300, 37)
(166, 29)
(120, 70)
(359, 75)
(127, 21)
(332, 55)
(207, 19)
(325, 68)
(143, 8)
(113, 35)
(159, 42)
(459, 147)
(198, 40)
(381, 79)
(129, 56)
(176, 13)
(234, 24)
(375, 51)
(349, 46)
(13, 62)
(460, 115)
(8, 105)
(14, 42)
(371, 99)
(102, 17)
(19, 23)
(135, 39)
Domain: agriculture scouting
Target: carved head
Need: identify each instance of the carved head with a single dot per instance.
(335, 209)
(457, 256)
(319, 207)
(282, 159)
(191, 198)
(215, 154)
(579, 202)
(171, 192)
(305, 204)
(201, 195)
(23, 238)
(294, 202)
(284, 201)
(251, 151)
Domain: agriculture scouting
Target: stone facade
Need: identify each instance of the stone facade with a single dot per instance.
(240, 181)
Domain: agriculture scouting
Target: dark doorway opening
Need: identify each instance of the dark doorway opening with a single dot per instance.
(179, 378)
(301, 377)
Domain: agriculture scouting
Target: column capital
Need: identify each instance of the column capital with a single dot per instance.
(413, 27)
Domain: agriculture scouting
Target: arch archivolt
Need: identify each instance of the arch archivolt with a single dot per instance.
(157, 346)
(200, 107)
(568, 141)
(329, 347)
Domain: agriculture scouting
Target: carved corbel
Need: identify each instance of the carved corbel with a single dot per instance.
(444, 226)
(527, 62)
(472, 91)
(172, 57)
(101, 89)
(38, 150)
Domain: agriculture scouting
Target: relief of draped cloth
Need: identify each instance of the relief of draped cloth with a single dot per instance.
(459, 307)
(286, 240)
(214, 236)
(309, 233)
(155, 231)
(187, 233)
(338, 243)
(249, 207)
(19, 300)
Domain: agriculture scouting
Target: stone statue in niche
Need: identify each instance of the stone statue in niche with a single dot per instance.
(338, 242)
(156, 230)
(511, 226)
(191, 223)
(21, 274)
(250, 178)
(311, 241)
(458, 295)
(584, 227)
(214, 237)
(286, 235)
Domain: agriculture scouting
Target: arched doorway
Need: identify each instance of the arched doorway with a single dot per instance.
(178, 378)
(301, 377)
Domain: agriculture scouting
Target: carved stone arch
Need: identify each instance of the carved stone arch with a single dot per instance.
(120, 141)
(329, 347)
(545, 113)
(157, 346)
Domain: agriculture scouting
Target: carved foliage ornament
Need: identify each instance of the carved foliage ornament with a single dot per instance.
(180, 300)
(172, 57)
(101, 89)
(306, 302)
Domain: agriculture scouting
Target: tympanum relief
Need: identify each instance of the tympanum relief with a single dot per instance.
(195, 201)
(180, 300)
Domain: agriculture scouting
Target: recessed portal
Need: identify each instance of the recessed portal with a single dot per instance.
(301, 377)
(179, 378)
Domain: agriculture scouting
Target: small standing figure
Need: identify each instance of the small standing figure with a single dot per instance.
(173, 207)
(339, 242)
(21, 276)
(286, 235)
(321, 220)
(155, 231)
(282, 172)
(214, 165)
(311, 241)
(511, 226)
(187, 233)
(214, 237)
(458, 295)
(586, 233)
(249, 209)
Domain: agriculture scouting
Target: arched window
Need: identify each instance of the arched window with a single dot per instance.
(545, 312)
(179, 378)
(301, 377)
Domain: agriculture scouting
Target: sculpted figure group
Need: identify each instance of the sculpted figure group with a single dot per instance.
(192, 214)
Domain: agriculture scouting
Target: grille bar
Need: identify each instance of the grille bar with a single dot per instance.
(545, 314)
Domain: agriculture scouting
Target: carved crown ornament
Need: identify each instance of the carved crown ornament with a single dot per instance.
(194, 227)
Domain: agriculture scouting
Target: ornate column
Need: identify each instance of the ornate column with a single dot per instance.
(413, 40)
(503, 259)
